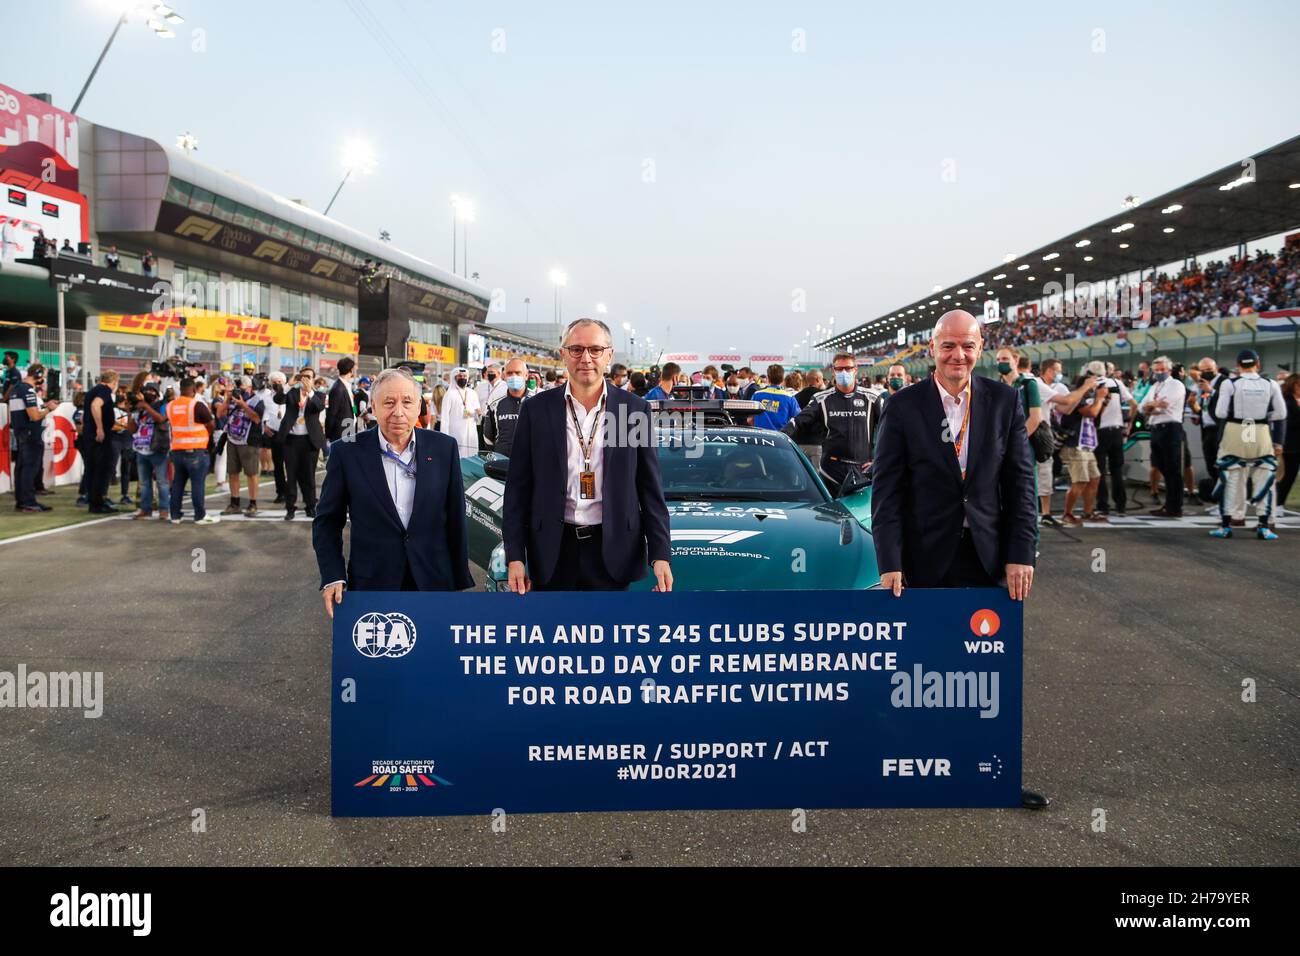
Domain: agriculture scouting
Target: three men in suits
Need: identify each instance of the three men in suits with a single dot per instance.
(952, 501)
(402, 488)
(303, 439)
(584, 503)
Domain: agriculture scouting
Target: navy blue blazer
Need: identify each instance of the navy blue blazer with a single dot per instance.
(918, 497)
(635, 515)
(434, 540)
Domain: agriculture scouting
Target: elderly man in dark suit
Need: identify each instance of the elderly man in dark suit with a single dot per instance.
(952, 499)
(584, 503)
(402, 488)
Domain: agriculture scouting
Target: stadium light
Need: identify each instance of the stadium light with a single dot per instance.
(934, 301)
(1009, 257)
(1087, 258)
(1242, 180)
(1168, 229)
(1123, 227)
(1022, 267)
(559, 280)
(157, 15)
(1131, 201)
(1168, 209)
(1294, 186)
(357, 157)
(961, 291)
(999, 277)
(979, 285)
(1082, 243)
(947, 297)
(1123, 245)
(1050, 256)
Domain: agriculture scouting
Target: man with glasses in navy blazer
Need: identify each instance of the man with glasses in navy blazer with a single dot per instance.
(402, 488)
(584, 506)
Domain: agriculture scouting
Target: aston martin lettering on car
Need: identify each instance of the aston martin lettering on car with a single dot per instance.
(747, 511)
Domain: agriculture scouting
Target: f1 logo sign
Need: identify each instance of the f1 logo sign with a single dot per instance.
(194, 227)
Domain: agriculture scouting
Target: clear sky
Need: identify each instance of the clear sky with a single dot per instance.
(693, 165)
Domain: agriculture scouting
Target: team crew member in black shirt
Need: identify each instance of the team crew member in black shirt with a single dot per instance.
(503, 413)
(848, 414)
(27, 421)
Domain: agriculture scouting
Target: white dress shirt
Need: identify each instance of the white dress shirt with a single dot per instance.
(955, 411)
(1172, 391)
(577, 509)
(400, 480)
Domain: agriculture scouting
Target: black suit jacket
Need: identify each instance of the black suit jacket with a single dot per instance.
(338, 411)
(291, 400)
(433, 541)
(918, 497)
(635, 515)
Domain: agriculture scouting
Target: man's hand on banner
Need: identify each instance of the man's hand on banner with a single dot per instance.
(333, 595)
(892, 581)
(1020, 578)
(663, 576)
(516, 579)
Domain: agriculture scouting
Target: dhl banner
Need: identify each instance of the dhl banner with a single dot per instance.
(327, 340)
(209, 326)
(419, 352)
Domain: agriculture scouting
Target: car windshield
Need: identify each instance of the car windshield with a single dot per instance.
(741, 467)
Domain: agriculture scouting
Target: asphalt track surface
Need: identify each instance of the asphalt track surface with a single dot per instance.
(217, 683)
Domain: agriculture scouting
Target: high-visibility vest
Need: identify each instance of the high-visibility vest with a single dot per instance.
(187, 434)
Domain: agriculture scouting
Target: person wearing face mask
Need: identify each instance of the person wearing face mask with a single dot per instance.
(897, 381)
(847, 416)
(491, 387)
(748, 385)
(618, 376)
(503, 414)
(732, 386)
(461, 413)
(1162, 407)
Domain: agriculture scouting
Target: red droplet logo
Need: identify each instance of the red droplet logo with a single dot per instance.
(985, 623)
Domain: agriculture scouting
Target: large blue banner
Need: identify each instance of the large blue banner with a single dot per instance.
(552, 702)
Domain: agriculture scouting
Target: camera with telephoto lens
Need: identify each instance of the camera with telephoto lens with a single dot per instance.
(174, 367)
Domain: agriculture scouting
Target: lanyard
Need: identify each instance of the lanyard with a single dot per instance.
(589, 444)
(961, 435)
(408, 468)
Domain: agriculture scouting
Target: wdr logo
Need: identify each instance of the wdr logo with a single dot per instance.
(984, 624)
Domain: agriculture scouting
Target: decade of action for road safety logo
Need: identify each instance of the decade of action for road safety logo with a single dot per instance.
(643, 701)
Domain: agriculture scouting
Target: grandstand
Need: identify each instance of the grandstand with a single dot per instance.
(1122, 264)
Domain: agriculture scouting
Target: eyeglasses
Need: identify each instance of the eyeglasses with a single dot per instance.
(596, 350)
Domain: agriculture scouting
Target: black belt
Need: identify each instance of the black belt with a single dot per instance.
(582, 531)
(1111, 428)
(1168, 425)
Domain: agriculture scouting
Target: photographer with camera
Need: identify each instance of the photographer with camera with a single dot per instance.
(151, 441)
(1078, 451)
(27, 424)
(272, 415)
(243, 439)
